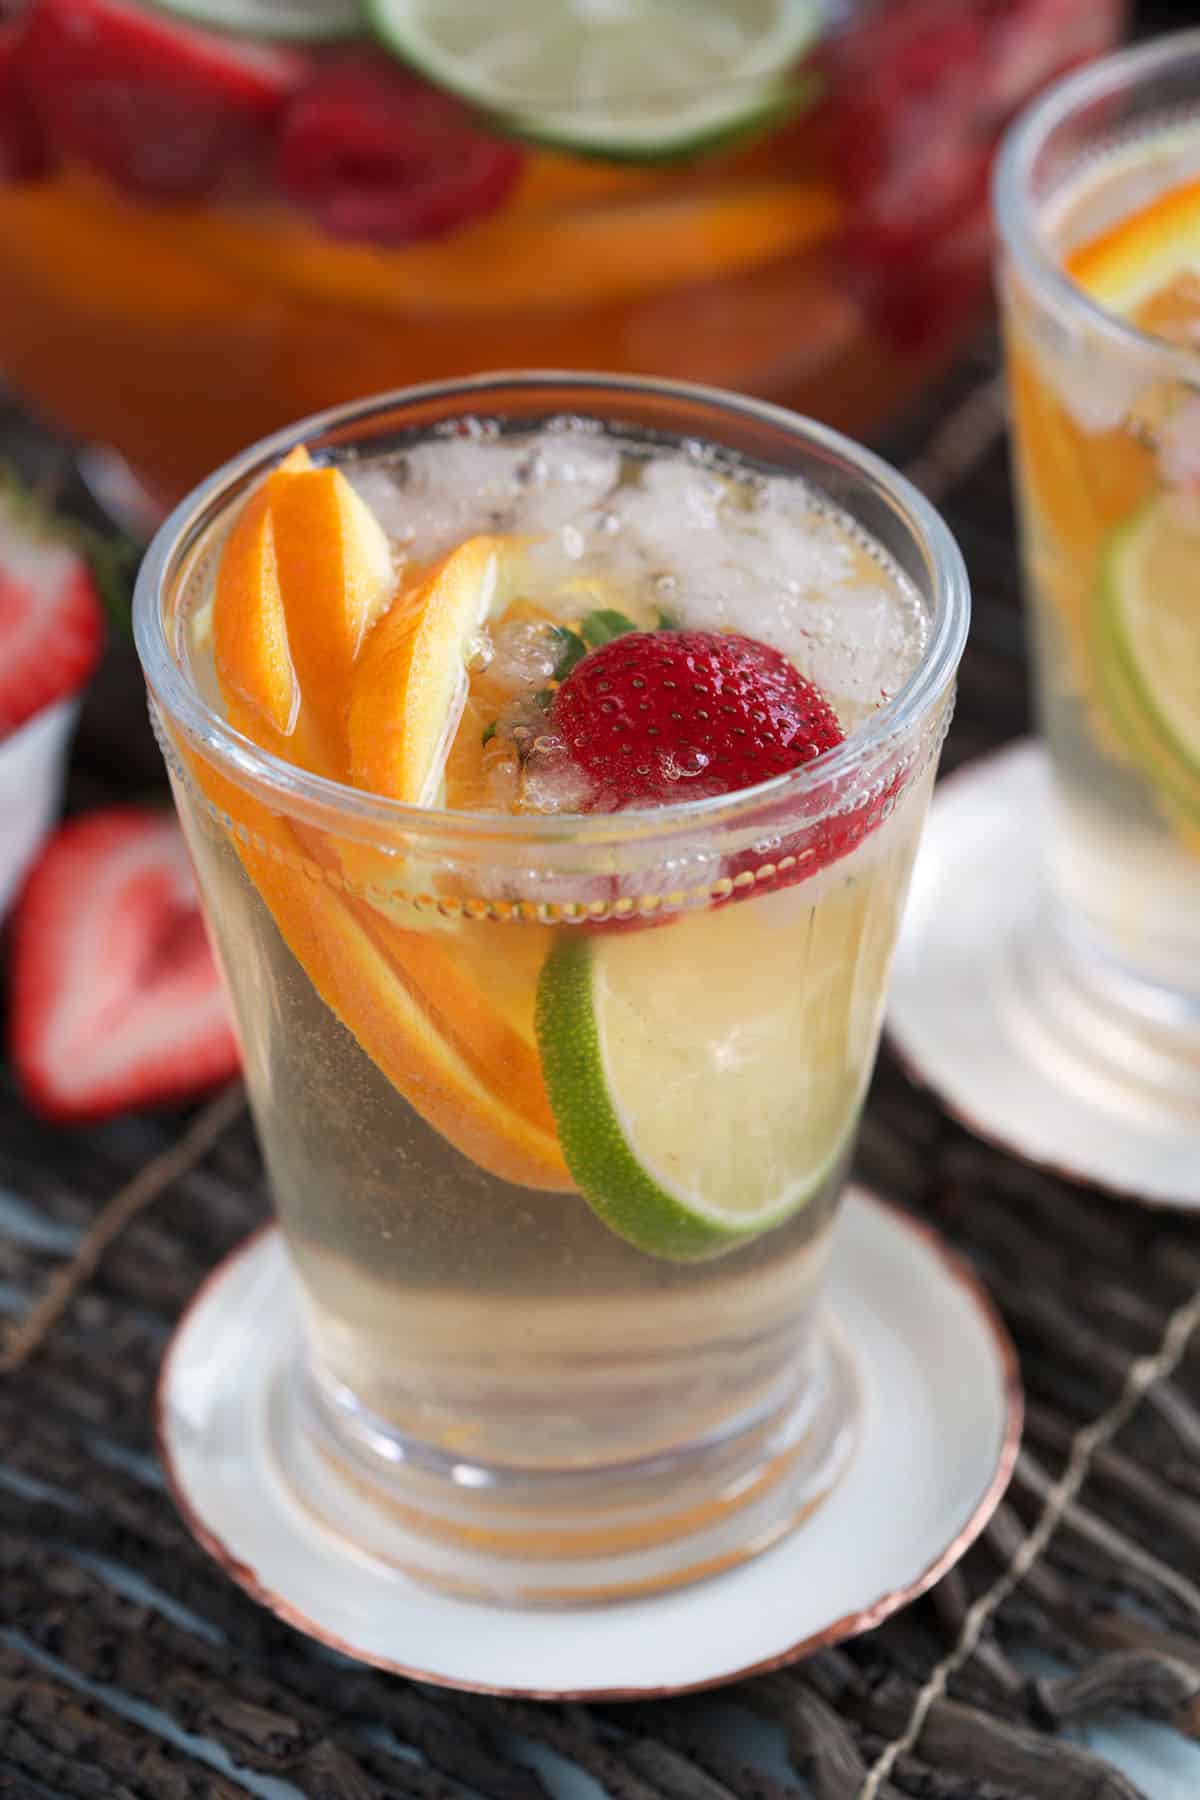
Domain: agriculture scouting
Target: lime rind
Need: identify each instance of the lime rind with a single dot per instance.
(1148, 733)
(620, 1191)
(286, 21)
(568, 108)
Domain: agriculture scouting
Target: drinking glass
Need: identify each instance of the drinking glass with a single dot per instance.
(504, 1392)
(1105, 426)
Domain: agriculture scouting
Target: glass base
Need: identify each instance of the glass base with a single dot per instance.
(1094, 1025)
(575, 1536)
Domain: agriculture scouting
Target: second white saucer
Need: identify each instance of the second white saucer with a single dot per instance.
(963, 1009)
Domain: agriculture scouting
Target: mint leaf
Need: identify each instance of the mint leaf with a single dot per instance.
(489, 732)
(571, 649)
(601, 626)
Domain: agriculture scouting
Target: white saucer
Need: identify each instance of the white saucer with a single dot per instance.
(962, 1012)
(942, 1421)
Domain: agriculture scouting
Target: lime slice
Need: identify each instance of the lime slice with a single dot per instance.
(628, 78)
(295, 20)
(705, 1077)
(1148, 643)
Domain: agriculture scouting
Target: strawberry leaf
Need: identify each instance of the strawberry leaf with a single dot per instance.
(602, 626)
(571, 648)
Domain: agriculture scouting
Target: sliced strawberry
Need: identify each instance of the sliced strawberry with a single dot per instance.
(375, 154)
(51, 624)
(163, 109)
(659, 716)
(115, 999)
(24, 147)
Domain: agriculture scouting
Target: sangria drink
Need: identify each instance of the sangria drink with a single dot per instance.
(216, 215)
(1099, 202)
(553, 756)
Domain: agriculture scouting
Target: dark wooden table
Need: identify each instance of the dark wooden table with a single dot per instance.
(130, 1667)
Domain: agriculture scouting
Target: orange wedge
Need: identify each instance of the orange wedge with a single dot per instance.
(336, 577)
(465, 1060)
(1144, 257)
(411, 684)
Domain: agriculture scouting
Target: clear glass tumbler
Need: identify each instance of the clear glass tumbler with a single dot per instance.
(506, 1392)
(1104, 369)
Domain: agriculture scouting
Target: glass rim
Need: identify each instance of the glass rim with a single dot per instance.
(1015, 212)
(245, 761)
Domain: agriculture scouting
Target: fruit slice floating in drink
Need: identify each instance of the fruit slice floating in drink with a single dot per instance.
(1148, 646)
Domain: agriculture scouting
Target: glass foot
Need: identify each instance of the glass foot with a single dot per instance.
(558, 1538)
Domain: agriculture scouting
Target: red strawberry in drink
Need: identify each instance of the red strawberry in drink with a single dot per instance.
(163, 109)
(51, 624)
(655, 717)
(115, 999)
(658, 716)
(375, 154)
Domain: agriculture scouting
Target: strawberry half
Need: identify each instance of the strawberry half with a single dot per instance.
(115, 998)
(51, 623)
(374, 154)
(655, 717)
(659, 716)
(163, 109)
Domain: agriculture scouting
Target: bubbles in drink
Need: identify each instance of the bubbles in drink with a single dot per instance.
(662, 535)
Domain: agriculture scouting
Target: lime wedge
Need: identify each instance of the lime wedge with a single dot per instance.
(705, 1077)
(1148, 643)
(301, 20)
(626, 78)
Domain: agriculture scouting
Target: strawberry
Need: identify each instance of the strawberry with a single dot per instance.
(653, 717)
(163, 109)
(51, 624)
(374, 154)
(24, 151)
(115, 999)
(656, 716)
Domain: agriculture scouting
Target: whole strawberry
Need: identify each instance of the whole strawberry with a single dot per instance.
(658, 716)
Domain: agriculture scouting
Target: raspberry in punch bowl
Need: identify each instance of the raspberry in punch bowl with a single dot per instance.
(217, 215)
(591, 758)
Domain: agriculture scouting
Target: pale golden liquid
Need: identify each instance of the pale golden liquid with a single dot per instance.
(510, 1325)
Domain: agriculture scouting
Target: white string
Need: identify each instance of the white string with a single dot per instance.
(1090, 1439)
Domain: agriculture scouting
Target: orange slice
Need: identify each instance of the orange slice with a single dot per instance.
(336, 577)
(250, 637)
(465, 1061)
(1146, 258)
(444, 1062)
(410, 687)
(305, 572)
(583, 251)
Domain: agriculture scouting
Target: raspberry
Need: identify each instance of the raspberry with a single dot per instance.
(375, 155)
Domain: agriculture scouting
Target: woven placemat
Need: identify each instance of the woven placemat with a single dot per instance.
(130, 1667)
